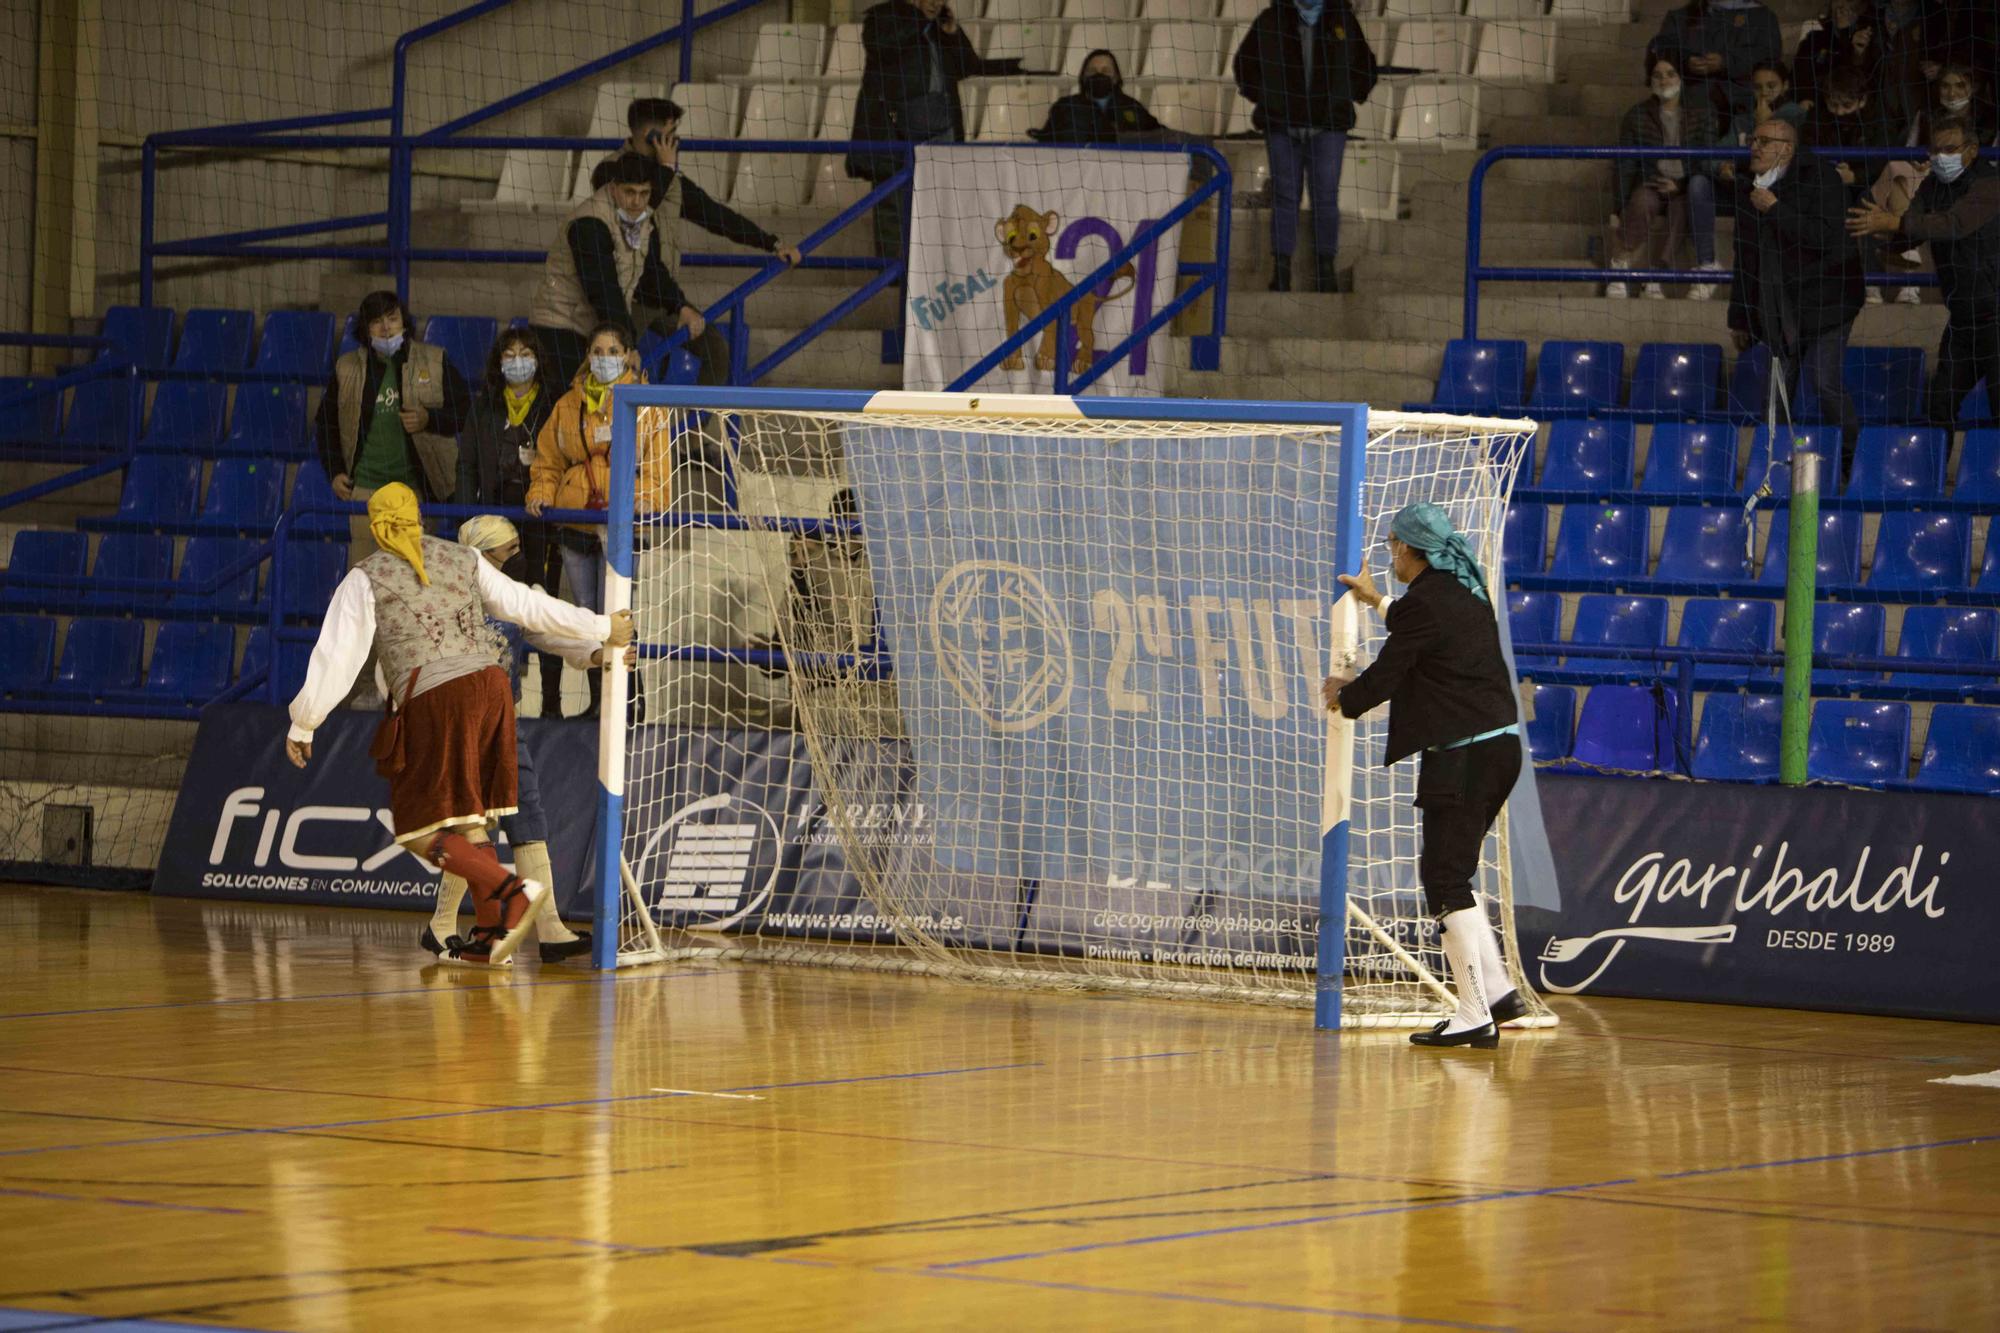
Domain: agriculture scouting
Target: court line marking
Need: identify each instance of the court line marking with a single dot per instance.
(1988, 1080)
(730, 1096)
(1864, 1223)
(11, 1318)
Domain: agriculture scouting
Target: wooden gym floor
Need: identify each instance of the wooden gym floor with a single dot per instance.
(273, 1118)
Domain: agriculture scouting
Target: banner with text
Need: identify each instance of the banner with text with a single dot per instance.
(999, 234)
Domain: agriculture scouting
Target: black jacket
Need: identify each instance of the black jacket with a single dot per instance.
(1798, 272)
(590, 246)
(1826, 134)
(1827, 49)
(1441, 670)
(1642, 127)
(1078, 119)
(1961, 220)
(899, 44)
(490, 470)
(447, 420)
(1270, 69)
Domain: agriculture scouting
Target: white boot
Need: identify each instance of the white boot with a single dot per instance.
(1705, 291)
(1501, 996)
(1617, 290)
(1471, 1024)
(444, 920)
(555, 942)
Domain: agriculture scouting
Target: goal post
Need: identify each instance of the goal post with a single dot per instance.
(1023, 689)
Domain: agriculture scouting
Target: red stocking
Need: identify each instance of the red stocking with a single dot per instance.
(475, 863)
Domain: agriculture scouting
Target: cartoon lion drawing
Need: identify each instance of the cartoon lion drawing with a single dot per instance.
(1034, 285)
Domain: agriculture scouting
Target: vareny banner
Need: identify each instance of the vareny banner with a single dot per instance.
(999, 234)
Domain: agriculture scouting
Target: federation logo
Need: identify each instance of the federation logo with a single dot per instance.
(1002, 643)
(711, 864)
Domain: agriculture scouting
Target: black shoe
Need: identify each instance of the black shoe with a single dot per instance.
(1325, 277)
(429, 940)
(1281, 273)
(578, 947)
(1509, 1007)
(1485, 1037)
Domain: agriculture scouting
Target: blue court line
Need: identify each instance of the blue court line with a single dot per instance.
(125, 1203)
(15, 1320)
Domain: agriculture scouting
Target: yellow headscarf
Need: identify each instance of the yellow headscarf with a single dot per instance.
(397, 525)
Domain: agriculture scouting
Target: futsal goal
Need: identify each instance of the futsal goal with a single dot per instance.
(1024, 689)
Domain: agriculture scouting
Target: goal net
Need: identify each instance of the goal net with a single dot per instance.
(1026, 690)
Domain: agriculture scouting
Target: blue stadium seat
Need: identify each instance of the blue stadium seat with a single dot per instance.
(1978, 467)
(1692, 458)
(310, 486)
(1589, 456)
(1839, 550)
(1898, 462)
(100, 417)
(1847, 630)
(1738, 738)
(129, 555)
(348, 342)
(187, 417)
(1731, 626)
(158, 490)
(1524, 539)
(1750, 385)
(59, 555)
(684, 368)
(1859, 743)
(1534, 617)
(1948, 634)
(140, 334)
(269, 422)
(1962, 752)
(27, 652)
(257, 656)
(244, 493)
(215, 340)
(296, 342)
(1705, 546)
(1607, 620)
(1887, 384)
(1602, 542)
(1921, 552)
(1554, 723)
(1825, 441)
(35, 421)
(1977, 409)
(466, 339)
(1676, 381)
(1989, 568)
(1628, 727)
(99, 657)
(190, 662)
(312, 571)
(1577, 378)
(1482, 375)
(204, 558)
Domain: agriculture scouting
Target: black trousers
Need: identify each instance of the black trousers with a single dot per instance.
(1459, 794)
(1968, 353)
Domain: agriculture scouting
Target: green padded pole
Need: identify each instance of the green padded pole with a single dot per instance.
(1799, 592)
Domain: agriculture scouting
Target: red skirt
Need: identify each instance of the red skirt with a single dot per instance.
(449, 755)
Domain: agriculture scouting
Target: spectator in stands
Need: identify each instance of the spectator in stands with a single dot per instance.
(915, 57)
(1958, 91)
(1847, 38)
(1966, 33)
(1304, 66)
(1845, 118)
(1100, 111)
(494, 451)
(1797, 285)
(1665, 197)
(1770, 99)
(1902, 85)
(1957, 210)
(1718, 45)
(390, 413)
(606, 265)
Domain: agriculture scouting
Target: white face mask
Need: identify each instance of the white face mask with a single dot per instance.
(1957, 105)
(1670, 93)
(387, 347)
(1766, 179)
(606, 369)
(517, 369)
(1948, 166)
(634, 219)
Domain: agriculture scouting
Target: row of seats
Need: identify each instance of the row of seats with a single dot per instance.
(105, 661)
(311, 571)
(1698, 458)
(1915, 553)
(1634, 728)
(1672, 382)
(1930, 634)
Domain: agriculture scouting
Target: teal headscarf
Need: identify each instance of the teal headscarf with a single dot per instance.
(1427, 528)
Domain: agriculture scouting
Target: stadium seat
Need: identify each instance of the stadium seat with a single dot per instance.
(1948, 634)
(1629, 728)
(311, 572)
(298, 342)
(1847, 631)
(1182, 51)
(158, 490)
(1190, 106)
(1578, 378)
(466, 339)
(535, 176)
(846, 58)
(1750, 385)
(310, 488)
(1589, 456)
(1731, 626)
(1989, 568)
(1738, 738)
(775, 180)
(257, 657)
(1442, 115)
(1825, 441)
(1898, 463)
(1010, 110)
(128, 556)
(269, 422)
(1705, 546)
(1119, 38)
(215, 340)
(1601, 542)
(1859, 743)
(1839, 550)
(1404, 10)
(1553, 724)
(187, 417)
(1962, 751)
(244, 493)
(204, 558)
(1521, 50)
(27, 652)
(1676, 381)
(1534, 617)
(31, 421)
(59, 555)
(1524, 539)
(190, 662)
(99, 657)
(1176, 11)
(1978, 467)
(143, 335)
(1977, 409)
(348, 342)
(787, 53)
(1608, 620)
(101, 417)
(1371, 183)
(1887, 384)
(1482, 375)
(1921, 552)
(1691, 458)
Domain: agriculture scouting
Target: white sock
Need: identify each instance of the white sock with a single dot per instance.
(1461, 949)
(451, 892)
(1492, 967)
(531, 861)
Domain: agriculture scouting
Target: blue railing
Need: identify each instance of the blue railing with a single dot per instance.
(1476, 271)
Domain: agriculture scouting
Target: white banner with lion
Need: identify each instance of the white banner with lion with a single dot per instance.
(1001, 233)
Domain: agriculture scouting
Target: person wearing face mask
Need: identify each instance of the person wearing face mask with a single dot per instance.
(1718, 45)
(1100, 111)
(1664, 198)
(1452, 702)
(1304, 66)
(1957, 212)
(1957, 92)
(1798, 280)
(390, 414)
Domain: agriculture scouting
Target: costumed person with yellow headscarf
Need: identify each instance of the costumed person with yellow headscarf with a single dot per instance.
(1451, 698)
(447, 745)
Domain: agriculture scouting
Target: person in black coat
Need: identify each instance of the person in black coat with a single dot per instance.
(1451, 697)
(1304, 65)
(1798, 279)
(1100, 111)
(916, 56)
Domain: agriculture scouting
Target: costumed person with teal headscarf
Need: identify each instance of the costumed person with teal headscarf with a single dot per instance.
(447, 745)
(1451, 699)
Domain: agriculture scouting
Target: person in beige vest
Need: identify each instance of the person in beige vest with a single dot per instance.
(391, 413)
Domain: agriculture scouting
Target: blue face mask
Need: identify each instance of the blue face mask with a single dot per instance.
(1948, 166)
(1311, 12)
(387, 347)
